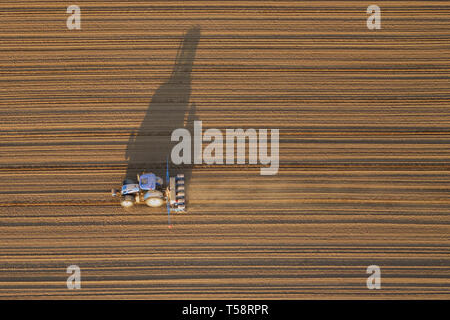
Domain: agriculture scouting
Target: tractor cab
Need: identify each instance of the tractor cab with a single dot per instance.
(147, 181)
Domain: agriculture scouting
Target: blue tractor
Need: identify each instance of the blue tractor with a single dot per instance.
(150, 189)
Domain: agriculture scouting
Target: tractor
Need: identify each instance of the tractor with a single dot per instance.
(150, 190)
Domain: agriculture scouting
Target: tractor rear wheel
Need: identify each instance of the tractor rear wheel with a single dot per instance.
(154, 202)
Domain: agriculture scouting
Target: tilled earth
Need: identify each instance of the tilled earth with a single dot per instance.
(364, 149)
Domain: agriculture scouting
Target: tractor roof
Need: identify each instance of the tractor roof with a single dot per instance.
(147, 181)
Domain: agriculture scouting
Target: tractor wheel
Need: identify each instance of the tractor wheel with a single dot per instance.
(127, 201)
(154, 202)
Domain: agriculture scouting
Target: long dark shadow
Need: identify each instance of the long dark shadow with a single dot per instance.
(149, 147)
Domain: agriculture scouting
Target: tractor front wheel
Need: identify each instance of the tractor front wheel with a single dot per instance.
(127, 201)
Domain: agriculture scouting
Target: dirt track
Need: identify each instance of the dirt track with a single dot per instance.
(364, 174)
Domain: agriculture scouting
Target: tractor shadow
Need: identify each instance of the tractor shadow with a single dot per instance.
(169, 109)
